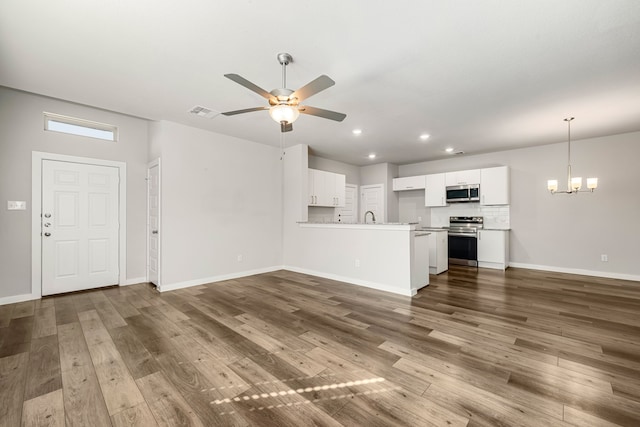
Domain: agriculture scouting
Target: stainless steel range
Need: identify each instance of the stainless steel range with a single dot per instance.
(463, 239)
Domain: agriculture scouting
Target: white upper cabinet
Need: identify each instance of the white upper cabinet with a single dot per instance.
(326, 188)
(409, 183)
(494, 186)
(435, 193)
(471, 176)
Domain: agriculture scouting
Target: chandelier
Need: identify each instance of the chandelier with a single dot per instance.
(573, 183)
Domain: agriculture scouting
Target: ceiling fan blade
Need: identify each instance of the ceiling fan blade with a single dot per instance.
(246, 83)
(321, 83)
(325, 114)
(246, 110)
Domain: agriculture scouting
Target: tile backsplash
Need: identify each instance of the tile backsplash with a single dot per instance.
(494, 216)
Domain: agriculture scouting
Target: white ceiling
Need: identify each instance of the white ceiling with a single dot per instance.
(477, 75)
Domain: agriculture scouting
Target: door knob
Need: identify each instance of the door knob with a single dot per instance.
(47, 224)
(154, 232)
(47, 234)
(47, 215)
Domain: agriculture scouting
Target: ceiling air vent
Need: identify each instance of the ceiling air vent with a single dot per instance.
(203, 112)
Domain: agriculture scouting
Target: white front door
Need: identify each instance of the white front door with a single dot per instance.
(349, 213)
(80, 229)
(153, 223)
(372, 199)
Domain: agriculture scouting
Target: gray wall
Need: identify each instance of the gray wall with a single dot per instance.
(221, 198)
(562, 231)
(21, 132)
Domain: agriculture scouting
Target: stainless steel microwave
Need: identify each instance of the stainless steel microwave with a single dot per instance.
(463, 193)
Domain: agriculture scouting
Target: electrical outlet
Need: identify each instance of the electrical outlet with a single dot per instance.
(357, 263)
(604, 258)
(13, 205)
(239, 258)
(419, 219)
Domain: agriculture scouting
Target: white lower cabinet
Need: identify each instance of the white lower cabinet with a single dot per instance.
(493, 249)
(438, 251)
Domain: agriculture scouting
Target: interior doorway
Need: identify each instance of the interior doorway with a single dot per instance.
(153, 223)
(372, 199)
(349, 213)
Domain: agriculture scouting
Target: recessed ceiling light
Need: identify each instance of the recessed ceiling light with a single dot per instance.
(356, 131)
(424, 136)
(449, 150)
(372, 155)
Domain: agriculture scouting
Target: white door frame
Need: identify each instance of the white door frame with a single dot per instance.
(149, 166)
(36, 210)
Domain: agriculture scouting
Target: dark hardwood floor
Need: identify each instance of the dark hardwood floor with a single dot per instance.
(475, 348)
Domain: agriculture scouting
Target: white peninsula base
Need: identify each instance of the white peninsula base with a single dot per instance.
(388, 257)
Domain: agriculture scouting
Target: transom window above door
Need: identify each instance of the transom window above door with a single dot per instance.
(74, 126)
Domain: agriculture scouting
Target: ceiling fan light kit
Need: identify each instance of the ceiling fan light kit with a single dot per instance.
(574, 184)
(284, 103)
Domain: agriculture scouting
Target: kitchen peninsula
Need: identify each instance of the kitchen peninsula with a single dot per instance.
(392, 257)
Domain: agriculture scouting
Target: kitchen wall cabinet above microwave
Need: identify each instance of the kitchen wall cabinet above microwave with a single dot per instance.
(494, 185)
(471, 176)
(409, 183)
(326, 188)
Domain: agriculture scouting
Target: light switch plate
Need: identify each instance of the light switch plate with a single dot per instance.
(16, 205)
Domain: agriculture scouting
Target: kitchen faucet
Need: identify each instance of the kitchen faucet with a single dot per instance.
(373, 216)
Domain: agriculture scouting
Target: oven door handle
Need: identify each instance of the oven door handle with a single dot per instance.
(473, 235)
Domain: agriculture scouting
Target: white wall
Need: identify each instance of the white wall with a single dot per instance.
(21, 132)
(221, 198)
(567, 233)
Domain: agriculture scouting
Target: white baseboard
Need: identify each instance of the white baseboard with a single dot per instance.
(594, 273)
(353, 281)
(205, 280)
(134, 281)
(18, 298)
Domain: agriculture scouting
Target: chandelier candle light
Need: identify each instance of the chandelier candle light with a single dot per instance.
(573, 183)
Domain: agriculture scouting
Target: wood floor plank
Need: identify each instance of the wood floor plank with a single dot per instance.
(23, 309)
(17, 336)
(13, 370)
(166, 403)
(5, 314)
(135, 355)
(139, 415)
(222, 378)
(65, 309)
(46, 410)
(43, 372)
(45, 322)
(107, 312)
(84, 403)
(118, 387)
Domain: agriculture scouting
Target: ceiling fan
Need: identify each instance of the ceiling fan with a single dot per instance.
(285, 103)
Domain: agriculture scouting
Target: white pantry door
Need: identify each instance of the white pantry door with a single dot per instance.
(80, 230)
(153, 223)
(372, 199)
